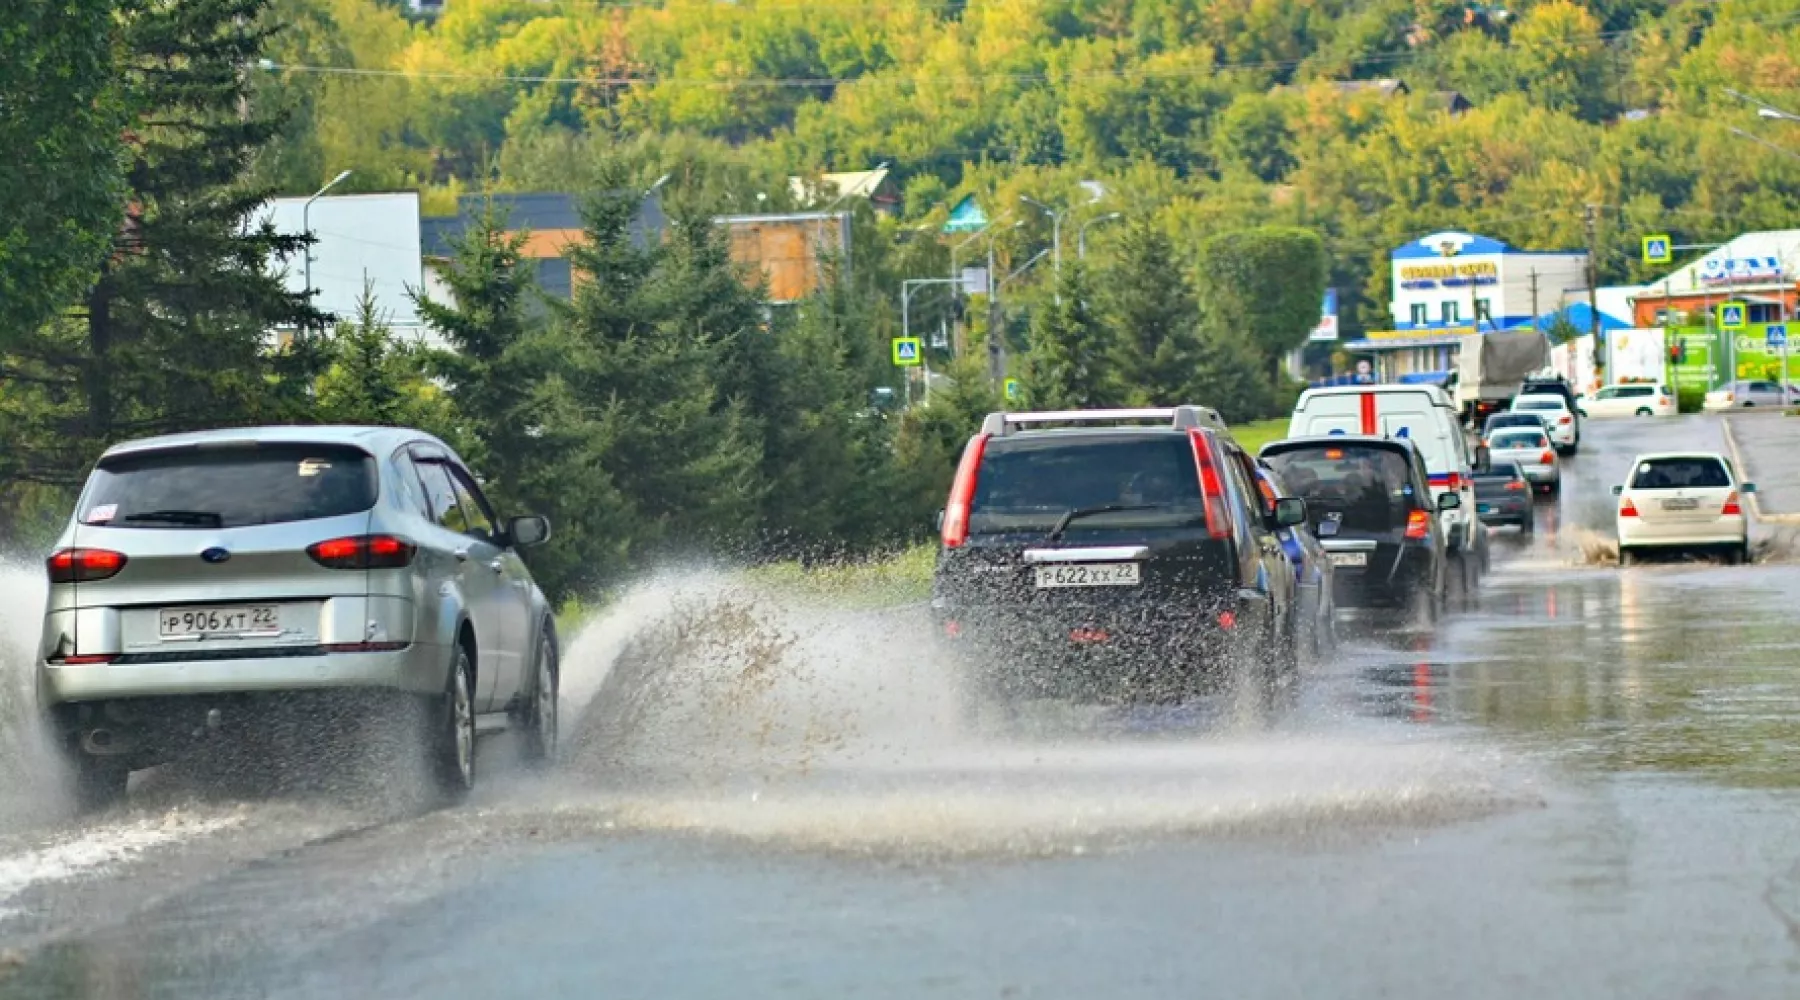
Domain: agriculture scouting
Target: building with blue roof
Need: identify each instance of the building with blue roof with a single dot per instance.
(1448, 285)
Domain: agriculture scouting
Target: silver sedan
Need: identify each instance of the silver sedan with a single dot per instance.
(1531, 451)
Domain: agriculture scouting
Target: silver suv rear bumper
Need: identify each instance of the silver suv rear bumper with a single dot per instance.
(419, 668)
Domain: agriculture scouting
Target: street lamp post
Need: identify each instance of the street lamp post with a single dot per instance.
(906, 290)
(1081, 234)
(306, 226)
(1056, 219)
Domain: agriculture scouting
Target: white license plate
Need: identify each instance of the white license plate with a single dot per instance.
(1681, 503)
(203, 623)
(1088, 575)
(1349, 558)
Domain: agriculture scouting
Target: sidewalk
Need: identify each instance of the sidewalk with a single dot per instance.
(1766, 449)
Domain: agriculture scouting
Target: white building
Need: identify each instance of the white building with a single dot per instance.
(1450, 284)
(363, 241)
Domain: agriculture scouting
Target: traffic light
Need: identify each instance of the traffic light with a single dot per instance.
(1677, 354)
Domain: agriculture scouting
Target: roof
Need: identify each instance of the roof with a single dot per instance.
(1338, 440)
(1653, 455)
(537, 211)
(1317, 391)
(373, 438)
(1387, 87)
(844, 184)
(1432, 246)
(1580, 316)
(1745, 260)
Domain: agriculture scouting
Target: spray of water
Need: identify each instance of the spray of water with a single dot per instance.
(28, 768)
(704, 704)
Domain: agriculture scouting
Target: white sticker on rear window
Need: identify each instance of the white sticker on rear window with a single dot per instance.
(313, 466)
(103, 513)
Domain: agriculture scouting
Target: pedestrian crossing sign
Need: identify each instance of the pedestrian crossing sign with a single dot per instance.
(1732, 315)
(1658, 249)
(908, 352)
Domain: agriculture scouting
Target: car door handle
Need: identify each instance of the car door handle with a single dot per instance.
(462, 555)
(497, 566)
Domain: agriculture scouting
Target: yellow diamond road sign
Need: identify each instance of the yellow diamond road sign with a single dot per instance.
(908, 352)
(1658, 249)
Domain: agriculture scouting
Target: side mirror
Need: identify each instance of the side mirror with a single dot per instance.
(1618, 491)
(528, 530)
(1747, 488)
(1450, 501)
(1290, 511)
(937, 520)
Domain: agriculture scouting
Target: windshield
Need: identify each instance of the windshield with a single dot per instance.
(1535, 403)
(1368, 488)
(1034, 484)
(1518, 439)
(229, 487)
(1693, 473)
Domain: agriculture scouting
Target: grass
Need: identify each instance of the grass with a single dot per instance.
(1253, 435)
(902, 578)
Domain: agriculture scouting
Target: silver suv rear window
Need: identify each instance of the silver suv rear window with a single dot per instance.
(229, 487)
(1030, 483)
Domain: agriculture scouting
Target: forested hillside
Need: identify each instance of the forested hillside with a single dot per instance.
(1209, 114)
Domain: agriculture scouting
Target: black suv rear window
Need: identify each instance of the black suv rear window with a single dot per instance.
(229, 487)
(1029, 484)
(1370, 487)
(1679, 474)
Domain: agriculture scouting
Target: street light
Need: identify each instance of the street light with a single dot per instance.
(306, 227)
(1760, 141)
(1056, 218)
(1763, 108)
(1081, 234)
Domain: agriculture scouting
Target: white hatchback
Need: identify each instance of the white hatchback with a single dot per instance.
(1630, 399)
(1559, 421)
(1682, 501)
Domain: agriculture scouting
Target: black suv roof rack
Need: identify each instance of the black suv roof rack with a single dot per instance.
(1179, 418)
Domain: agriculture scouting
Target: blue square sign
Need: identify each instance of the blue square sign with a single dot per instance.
(1776, 334)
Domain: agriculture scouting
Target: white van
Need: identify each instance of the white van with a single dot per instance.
(1423, 413)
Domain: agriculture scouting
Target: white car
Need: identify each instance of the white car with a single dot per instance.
(1679, 501)
(1629, 399)
(1748, 392)
(1529, 449)
(1559, 420)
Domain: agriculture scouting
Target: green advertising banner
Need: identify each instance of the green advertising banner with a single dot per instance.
(1709, 359)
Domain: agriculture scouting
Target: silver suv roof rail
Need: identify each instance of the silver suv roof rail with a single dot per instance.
(1179, 418)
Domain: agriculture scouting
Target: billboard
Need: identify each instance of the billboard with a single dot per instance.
(1328, 318)
(370, 239)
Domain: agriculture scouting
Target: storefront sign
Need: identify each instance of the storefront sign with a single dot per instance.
(1737, 270)
(1472, 269)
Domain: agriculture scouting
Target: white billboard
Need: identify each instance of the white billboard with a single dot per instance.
(370, 239)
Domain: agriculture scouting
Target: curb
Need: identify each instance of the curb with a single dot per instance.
(1737, 459)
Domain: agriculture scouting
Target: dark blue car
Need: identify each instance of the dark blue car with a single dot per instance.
(1315, 608)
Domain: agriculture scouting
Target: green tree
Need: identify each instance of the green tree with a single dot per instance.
(1149, 301)
(1072, 364)
(1253, 135)
(1262, 286)
(375, 378)
(61, 180)
(177, 330)
(931, 436)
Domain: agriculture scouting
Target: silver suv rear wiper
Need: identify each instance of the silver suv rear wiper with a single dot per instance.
(198, 518)
(1062, 523)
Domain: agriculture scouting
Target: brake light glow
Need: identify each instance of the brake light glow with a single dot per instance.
(1547, 458)
(1627, 508)
(363, 552)
(952, 629)
(1228, 619)
(1212, 487)
(1565, 419)
(84, 565)
(1515, 485)
(962, 494)
(1418, 523)
(1731, 505)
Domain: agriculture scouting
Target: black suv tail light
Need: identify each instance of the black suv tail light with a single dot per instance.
(962, 494)
(1212, 487)
(84, 565)
(363, 552)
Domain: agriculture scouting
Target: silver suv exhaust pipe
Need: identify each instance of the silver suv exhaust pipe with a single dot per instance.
(102, 742)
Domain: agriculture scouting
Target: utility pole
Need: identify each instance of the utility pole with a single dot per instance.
(1593, 283)
(996, 326)
(1534, 297)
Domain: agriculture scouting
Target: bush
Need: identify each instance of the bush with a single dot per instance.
(1690, 398)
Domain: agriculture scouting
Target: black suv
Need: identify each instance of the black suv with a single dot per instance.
(1088, 555)
(1368, 500)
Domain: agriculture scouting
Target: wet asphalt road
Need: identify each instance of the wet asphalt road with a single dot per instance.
(1586, 787)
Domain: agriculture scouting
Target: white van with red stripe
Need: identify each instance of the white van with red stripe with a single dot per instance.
(1423, 413)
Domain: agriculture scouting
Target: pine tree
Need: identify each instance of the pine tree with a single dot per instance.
(1150, 302)
(177, 331)
(375, 378)
(1071, 364)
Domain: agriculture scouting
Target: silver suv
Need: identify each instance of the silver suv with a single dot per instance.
(209, 580)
